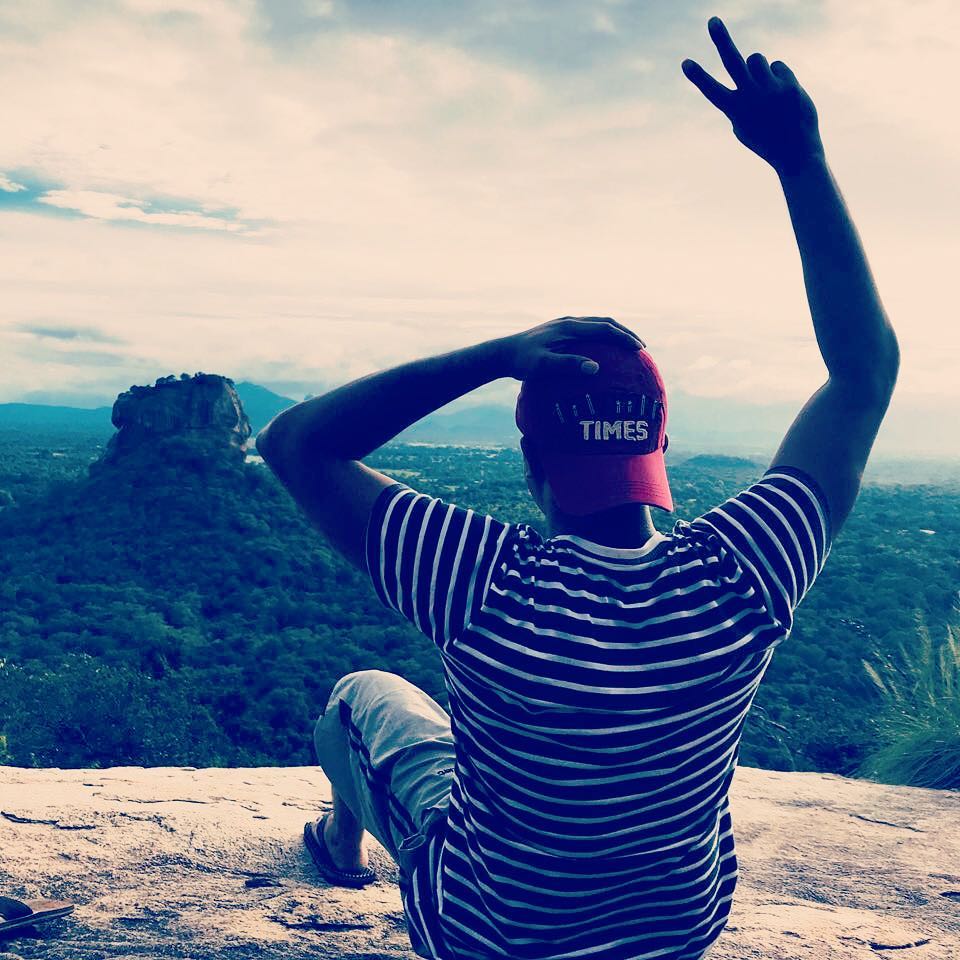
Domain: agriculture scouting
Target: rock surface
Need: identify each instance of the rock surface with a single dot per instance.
(204, 408)
(209, 865)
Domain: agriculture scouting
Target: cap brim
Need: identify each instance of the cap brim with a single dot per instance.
(588, 483)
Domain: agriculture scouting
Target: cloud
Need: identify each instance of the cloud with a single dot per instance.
(56, 332)
(437, 173)
(319, 8)
(109, 206)
(525, 33)
(9, 186)
(86, 359)
(603, 23)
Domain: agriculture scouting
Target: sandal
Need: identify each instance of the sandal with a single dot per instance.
(313, 837)
(23, 913)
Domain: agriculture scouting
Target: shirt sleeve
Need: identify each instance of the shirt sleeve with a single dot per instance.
(779, 531)
(431, 561)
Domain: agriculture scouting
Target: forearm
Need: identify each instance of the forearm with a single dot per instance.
(353, 420)
(856, 339)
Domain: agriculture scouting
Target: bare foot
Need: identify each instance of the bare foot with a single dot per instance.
(348, 853)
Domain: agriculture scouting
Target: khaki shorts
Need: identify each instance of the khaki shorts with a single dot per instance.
(387, 749)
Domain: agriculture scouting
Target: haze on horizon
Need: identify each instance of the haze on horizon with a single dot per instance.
(298, 192)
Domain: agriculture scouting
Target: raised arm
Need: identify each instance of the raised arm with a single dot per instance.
(315, 448)
(774, 117)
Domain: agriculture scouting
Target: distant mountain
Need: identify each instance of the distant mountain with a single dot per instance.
(260, 404)
(36, 416)
(720, 462)
(486, 423)
(725, 425)
(696, 424)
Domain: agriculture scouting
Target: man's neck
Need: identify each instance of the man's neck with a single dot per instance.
(629, 525)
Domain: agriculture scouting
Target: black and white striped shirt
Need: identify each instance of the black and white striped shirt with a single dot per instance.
(597, 698)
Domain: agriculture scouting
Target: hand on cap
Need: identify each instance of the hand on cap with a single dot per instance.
(550, 349)
(771, 113)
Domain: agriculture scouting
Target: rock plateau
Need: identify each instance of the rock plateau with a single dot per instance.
(209, 865)
(202, 411)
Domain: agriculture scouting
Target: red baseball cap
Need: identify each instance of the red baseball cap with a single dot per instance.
(600, 437)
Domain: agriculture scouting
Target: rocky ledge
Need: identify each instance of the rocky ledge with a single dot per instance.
(209, 865)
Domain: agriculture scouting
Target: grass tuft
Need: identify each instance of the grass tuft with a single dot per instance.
(919, 725)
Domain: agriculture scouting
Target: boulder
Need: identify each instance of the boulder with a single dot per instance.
(210, 865)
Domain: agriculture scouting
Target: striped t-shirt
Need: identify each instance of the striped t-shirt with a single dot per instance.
(597, 698)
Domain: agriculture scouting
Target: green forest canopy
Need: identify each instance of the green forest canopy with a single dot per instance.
(187, 614)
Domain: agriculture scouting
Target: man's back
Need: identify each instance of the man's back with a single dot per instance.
(597, 697)
(548, 830)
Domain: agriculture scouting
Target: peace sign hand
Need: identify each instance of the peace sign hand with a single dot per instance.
(771, 113)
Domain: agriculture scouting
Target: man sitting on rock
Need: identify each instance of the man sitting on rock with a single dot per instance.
(574, 803)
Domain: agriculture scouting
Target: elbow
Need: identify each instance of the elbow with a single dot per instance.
(273, 447)
(286, 451)
(262, 442)
(872, 383)
(883, 359)
(894, 352)
(888, 366)
(268, 442)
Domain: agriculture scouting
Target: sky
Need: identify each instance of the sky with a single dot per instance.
(299, 192)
